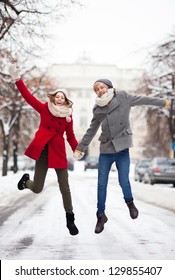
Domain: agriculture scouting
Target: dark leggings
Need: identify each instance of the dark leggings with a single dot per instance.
(41, 168)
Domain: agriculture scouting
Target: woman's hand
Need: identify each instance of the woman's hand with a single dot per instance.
(78, 154)
(14, 72)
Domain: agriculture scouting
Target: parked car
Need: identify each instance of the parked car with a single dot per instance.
(70, 164)
(90, 163)
(140, 169)
(161, 170)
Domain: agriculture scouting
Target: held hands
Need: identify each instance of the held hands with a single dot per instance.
(78, 154)
(14, 72)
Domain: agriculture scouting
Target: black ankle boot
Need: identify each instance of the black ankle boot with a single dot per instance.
(132, 209)
(70, 224)
(101, 220)
(22, 182)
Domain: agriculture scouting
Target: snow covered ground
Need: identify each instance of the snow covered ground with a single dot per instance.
(33, 226)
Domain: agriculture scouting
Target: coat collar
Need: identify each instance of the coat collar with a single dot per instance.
(115, 102)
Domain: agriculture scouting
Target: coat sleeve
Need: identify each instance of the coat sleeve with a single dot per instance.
(89, 135)
(136, 100)
(71, 139)
(29, 98)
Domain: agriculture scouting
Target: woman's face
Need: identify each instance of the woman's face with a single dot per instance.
(100, 89)
(59, 99)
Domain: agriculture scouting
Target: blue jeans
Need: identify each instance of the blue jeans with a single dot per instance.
(122, 161)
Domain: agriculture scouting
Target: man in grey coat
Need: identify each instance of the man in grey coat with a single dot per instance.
(111, 111)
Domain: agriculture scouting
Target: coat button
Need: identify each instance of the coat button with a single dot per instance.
(52, 119)
(48, 127)
(121, 123)
(60, 123)
(57, 130)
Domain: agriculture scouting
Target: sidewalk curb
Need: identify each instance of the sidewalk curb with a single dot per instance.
(156, 195)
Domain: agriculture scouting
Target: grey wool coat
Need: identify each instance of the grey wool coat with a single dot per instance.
(116, 132)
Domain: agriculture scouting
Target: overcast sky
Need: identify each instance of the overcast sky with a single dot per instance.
(113, 31)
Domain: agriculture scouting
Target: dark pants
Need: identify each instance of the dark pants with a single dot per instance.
(41, 168)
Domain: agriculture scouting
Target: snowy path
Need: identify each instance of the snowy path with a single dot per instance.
(33, 226)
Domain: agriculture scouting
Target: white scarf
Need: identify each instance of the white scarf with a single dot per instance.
(60, 111)
(106, 98)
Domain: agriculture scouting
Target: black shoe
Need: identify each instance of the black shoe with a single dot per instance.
(70, 224)
(101, 220)
(22, 182)
(132, 209)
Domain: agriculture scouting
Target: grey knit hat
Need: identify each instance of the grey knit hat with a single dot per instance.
(106, 82)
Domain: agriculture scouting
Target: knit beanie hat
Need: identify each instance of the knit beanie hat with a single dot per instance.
(63, 90)
(106, 82)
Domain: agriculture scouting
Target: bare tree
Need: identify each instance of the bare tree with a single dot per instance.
(13, 111)
(160, 81)
(24, 23)
(157, 140)
(164, 56)
(164, 77)
(8, 117)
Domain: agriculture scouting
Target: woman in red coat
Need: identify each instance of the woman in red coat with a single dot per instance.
(48, 145)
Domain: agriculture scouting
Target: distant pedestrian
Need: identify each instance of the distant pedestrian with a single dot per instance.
(111, 111)
(48, 145)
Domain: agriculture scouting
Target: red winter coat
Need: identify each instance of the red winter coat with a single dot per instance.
(51, 131)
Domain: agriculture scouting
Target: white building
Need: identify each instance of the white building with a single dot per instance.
(78, 79)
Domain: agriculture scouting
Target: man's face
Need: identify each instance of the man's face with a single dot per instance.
(100, 88)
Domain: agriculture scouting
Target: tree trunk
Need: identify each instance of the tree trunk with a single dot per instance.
(15, 144)
(5, 155)
(172, 124)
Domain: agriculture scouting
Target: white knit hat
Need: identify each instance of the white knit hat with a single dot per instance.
(63, 90)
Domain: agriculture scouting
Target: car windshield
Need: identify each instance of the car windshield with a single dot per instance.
(145, 164)
(171, 162)
(166, 162)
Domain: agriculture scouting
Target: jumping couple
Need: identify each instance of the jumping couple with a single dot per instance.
(111, 112)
